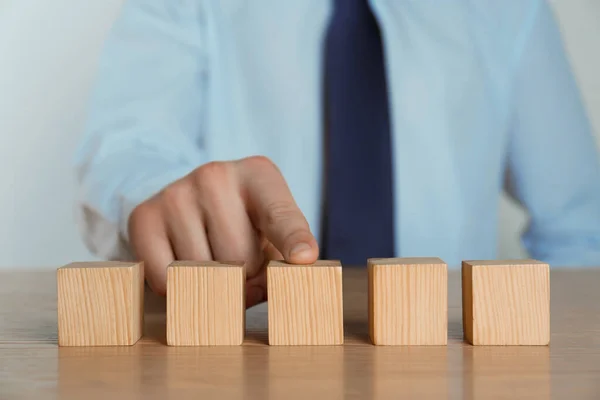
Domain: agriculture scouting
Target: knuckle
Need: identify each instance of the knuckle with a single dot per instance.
(261, 162)
(140, 214)
(175, 195)
(211, 174)
(281, 213)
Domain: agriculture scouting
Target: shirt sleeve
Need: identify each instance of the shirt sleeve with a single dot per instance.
(145, 127)
(553, 161)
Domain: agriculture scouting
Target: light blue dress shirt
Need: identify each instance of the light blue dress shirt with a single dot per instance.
(477, 88)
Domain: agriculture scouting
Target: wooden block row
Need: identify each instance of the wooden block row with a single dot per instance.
(504, 303)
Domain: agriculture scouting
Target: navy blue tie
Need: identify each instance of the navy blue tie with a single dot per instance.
(358, 221)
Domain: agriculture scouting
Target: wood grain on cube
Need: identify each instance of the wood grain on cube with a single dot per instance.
(100, 303)
(506, 302)
(305, 305)
(206, 303)
(408, 301)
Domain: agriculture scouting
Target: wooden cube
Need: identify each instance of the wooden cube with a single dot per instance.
(408, 301)
(305, 304)
(100, 303)
(506, 302)
(206, 303)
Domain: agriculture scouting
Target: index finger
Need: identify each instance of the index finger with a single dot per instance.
(274, 212)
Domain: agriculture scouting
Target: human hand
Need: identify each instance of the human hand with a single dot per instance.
(225, 211)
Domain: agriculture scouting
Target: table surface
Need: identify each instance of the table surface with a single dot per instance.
(33, 366)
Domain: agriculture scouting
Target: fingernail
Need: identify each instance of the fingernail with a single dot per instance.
(299, 248)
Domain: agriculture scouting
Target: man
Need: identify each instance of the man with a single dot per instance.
(255, 130)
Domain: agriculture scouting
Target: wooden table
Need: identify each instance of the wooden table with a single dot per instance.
(33, 366)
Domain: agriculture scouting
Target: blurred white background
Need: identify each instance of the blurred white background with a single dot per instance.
(48, 51)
